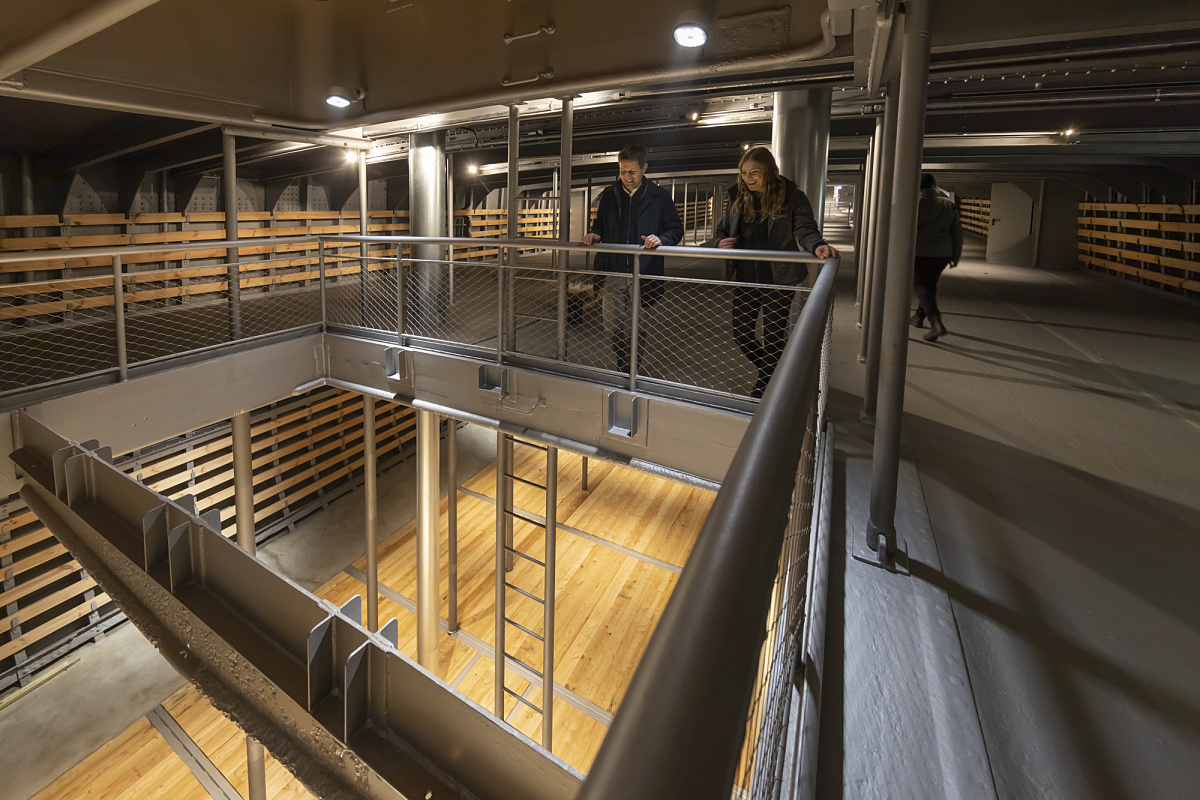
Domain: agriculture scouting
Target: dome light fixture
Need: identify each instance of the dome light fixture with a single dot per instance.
(471, 168)
(690, 34)
(339, 97)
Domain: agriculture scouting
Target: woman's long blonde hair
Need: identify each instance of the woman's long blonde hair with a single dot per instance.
(772, 195)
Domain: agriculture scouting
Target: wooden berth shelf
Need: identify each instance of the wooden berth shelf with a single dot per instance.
(1154, 243)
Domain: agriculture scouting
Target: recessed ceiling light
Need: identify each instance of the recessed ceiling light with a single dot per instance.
(472, 169)
(690, 34)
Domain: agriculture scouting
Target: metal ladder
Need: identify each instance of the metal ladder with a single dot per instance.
(505, 556)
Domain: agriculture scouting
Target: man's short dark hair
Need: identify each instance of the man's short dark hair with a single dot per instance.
(927, 181)
(633, 152)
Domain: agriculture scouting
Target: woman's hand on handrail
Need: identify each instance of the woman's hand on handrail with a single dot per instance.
(727, 244)
(826, 251)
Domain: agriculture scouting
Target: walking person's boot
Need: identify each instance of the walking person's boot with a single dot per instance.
(936, 328)
(917, 320)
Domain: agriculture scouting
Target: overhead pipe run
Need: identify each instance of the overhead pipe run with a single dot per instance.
(73, 29)
(302, 137)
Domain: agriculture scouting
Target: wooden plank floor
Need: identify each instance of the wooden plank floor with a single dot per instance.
(607, 603)
(139, 764)
(607, 600)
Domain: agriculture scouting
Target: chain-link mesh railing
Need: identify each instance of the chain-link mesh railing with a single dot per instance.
(68, 328)
(172, 312)
(54, 330)
(759, 773)
(363, 299)
(452, 302)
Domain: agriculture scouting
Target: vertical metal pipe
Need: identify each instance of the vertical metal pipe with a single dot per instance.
(256, 770)
(566, 152)
(26, 190)
(583, 479)
(363, 248)
(402, 294)
(635, 320)
(427, 212)
(871, 211)
(914, 74)
(243, 481)
(684, 215)
(881, 205)
(321, 285)
(548, 598)
(510, 470)
(502, 467)
(800, 141)
(587, 215)
(233, 271)
(861, 199)
(119, 318)
(428, 519)
(243, 496)
(882, 264)
(371, 515)
(452, 522)
(514, 155)
(450, 219)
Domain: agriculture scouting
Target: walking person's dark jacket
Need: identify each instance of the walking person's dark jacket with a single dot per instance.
(621, 219)
(939, 232)
(796, 227)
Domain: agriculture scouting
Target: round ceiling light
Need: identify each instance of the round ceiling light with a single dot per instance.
(690, 34)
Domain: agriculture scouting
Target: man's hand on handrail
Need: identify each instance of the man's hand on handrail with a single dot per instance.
(589, 239)
(650, 242)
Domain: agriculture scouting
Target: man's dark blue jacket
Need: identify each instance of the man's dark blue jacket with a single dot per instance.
(621, 219)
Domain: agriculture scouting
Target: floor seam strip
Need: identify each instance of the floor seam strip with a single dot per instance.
(195, 759)
(591, 537)
(482, 648)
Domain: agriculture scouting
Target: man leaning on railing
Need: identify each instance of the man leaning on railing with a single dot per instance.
(633, 210)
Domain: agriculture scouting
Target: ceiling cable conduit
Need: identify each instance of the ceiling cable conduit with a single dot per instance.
(73, 29)
(299, 137)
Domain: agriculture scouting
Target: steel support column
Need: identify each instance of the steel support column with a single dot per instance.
(800, 141)
(914, 73)
(548, 598)
(506, 286)
(243, 498)
(233, 273)
(564, 216)
(371, 515)
(452, 522)
(862, 199)
(364, 249)
(427, 215)
(881, 265)
(880, 218)
(872, 212)
(428, 518)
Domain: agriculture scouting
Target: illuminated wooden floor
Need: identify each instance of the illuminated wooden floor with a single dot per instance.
(612, 584)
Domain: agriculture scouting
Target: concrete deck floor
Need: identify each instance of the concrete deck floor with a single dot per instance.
(1054, 435)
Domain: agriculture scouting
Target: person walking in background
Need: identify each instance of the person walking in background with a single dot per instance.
(634, 210)
(939, 244)
(766, 212)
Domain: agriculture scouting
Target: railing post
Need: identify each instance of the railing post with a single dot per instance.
(548, 598)
(500, 308)
(502, 468)
(233, 269)
(364, 249)
(402, 292)
(428, 517)
(564, 217)
(371, 513)
(119, 318)
(452, 522)
(321, 284)
(635, 317)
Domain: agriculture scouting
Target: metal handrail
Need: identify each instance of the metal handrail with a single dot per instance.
(679, 730)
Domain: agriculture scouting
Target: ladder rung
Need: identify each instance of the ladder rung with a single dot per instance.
(524, 556)
(511, 657)
(526, 482)
(522, 627)
(520, 699)
(527, 594)
(524, 518)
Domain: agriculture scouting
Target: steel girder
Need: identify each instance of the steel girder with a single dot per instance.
(346, 712)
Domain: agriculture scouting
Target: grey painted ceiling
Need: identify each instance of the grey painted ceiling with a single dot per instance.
(188, 65)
